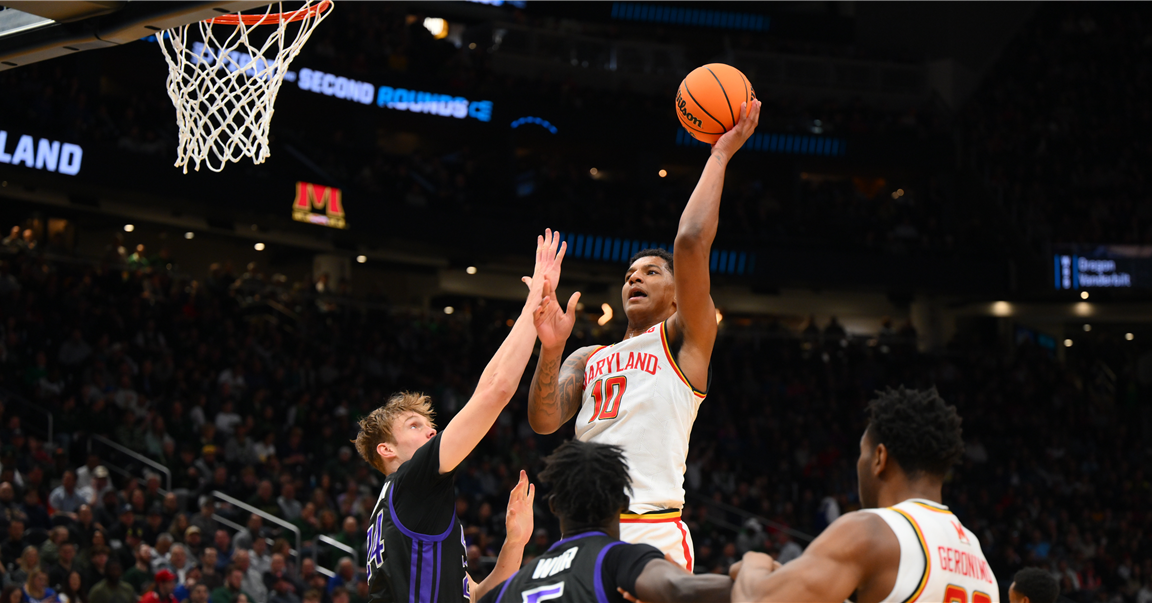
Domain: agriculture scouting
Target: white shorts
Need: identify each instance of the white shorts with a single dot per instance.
(665, 531)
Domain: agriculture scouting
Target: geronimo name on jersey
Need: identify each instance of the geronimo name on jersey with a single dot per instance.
(636, 397)
(416, 551)
(940, 559)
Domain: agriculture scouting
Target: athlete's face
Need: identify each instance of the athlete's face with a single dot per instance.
(649, 289)
(865, 473)
(411, 431)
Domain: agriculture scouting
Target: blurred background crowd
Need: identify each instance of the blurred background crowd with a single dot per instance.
(252, 391)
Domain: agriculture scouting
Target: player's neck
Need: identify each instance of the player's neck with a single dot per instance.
(924, 488)
(641, 326)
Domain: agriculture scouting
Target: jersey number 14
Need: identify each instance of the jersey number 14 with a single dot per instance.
(607, 394)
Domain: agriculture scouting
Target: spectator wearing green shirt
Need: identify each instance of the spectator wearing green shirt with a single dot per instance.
(307, 522)
(112, 589)
(141, 573)
(351, 536)
(231, 589)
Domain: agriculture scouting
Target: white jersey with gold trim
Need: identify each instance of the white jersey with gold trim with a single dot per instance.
(636, 397)
(940, 560)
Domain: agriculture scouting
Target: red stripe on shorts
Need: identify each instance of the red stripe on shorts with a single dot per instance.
(684, 542)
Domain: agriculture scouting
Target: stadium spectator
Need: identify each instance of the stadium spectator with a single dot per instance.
(289, 508)
(50, 548)
(199, 593)
(193, 540)
(224, 550)
(72, 590)
(253, 581)
(155, 532)
(253, 530)
(66, 498)
(260, 555)
(278, 572)
(162, 591)
(112, 589)
(19, 571)
(96, 565)
(282, 591)
(203, 521)
(345, 576)
(208, 573)
(36, 589)
(35, 513)
(141, 572)
(64, 566)
(231, 590)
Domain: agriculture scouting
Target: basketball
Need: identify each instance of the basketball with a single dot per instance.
(708, 101)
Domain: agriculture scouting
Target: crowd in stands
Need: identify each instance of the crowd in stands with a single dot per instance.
(1059, 130)
(232, 396)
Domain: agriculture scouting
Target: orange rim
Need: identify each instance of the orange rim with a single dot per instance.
(270, 18)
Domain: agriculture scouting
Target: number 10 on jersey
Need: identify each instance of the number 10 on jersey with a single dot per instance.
(607, 394)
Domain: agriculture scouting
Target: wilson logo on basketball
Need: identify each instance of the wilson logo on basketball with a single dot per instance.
(683, 107)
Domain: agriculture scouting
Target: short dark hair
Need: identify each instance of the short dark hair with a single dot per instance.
(590, 482)
(918, 428)
(653, 252)
(1036, 584)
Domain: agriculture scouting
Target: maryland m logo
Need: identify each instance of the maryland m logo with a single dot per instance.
(312, 198)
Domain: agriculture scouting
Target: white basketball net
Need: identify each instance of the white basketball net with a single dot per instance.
(224, 84)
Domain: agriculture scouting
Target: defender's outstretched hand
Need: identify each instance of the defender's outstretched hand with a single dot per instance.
(519, 521)
(553, 324)
(518, 524)
(549, 256)
(735, 138)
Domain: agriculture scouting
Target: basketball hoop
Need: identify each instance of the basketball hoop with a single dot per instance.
(224, 86)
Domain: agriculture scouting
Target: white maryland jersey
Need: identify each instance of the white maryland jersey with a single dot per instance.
(940, 560)
(635, 397)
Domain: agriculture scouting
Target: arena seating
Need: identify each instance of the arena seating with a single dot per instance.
(1054, 472)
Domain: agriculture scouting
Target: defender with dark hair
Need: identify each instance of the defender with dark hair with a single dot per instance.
(643, 393)
(905, 545)
(1033, 585)
(416, 546)
(590, 487)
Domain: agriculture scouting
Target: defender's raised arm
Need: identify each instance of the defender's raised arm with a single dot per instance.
(556, 388)
(502, 375)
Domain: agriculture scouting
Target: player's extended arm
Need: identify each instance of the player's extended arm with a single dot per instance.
(834, 566)
(696, 314)
(665, 582)
(518, 524)
(556, 388)
(502, 375)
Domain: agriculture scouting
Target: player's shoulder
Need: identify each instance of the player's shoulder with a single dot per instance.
(859, 533)
(581, 355)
